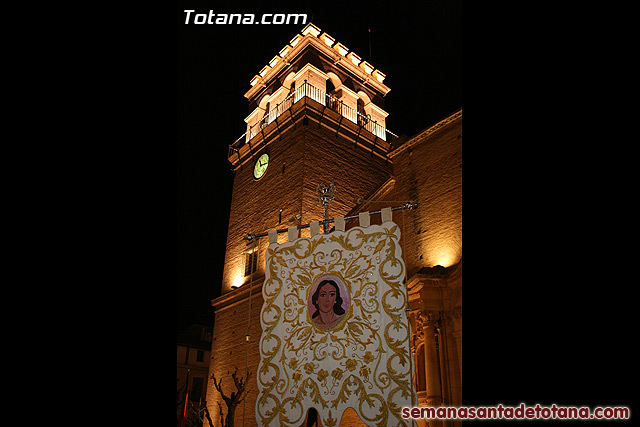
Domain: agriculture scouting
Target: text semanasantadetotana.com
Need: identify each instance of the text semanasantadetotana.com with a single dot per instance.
(518, 412)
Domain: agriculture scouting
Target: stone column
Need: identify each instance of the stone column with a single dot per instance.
(457, 335)
(427, 320)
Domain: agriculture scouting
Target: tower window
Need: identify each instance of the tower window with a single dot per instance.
(330, 86)
(332, 101)
(251, 262)
(363, 118)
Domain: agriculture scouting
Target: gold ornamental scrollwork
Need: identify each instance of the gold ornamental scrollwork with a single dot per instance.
(335, 330)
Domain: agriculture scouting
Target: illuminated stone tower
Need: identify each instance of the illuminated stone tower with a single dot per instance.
(316, 115)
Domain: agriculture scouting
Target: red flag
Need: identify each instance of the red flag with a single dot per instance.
(186, 401)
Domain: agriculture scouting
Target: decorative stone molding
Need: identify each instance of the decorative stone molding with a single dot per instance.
(456, 313)
(427, 319)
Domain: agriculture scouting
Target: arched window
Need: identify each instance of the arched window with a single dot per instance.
(362, 117)
(330, 86)
(265, 117)
(332, 101)
(289, 82)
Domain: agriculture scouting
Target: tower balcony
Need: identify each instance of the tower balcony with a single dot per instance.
(309, 102)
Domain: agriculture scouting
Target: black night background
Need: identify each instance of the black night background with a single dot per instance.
(546, 308)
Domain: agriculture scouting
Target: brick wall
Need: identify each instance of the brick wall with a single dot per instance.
(355, 171)
(430, 173)
(310, 155)
(229, 351)
(255, 204)
(304, 158)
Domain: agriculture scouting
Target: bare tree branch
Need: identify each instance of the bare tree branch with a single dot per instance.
(206, 414)
(233, 400)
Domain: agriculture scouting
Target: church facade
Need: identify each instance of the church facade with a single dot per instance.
(317, 121)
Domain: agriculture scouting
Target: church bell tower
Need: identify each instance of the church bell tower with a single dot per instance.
(316, 121)
(316, 115)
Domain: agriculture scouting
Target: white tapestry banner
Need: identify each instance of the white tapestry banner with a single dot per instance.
(334, 329)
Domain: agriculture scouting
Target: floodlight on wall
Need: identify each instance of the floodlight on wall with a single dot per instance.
(237, 281)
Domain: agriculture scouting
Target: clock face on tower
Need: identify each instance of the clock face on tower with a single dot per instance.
(261, 166)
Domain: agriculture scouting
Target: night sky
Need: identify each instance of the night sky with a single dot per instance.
(418, 47)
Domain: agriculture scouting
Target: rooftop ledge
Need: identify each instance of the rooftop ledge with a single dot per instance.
(332, 111)
(313, 35)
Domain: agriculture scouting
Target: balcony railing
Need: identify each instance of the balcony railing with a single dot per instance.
(307, 90)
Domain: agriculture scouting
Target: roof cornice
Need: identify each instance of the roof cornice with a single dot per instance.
(340, 60)
(428, 131)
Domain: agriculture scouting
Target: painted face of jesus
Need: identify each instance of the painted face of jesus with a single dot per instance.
(326, 298)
